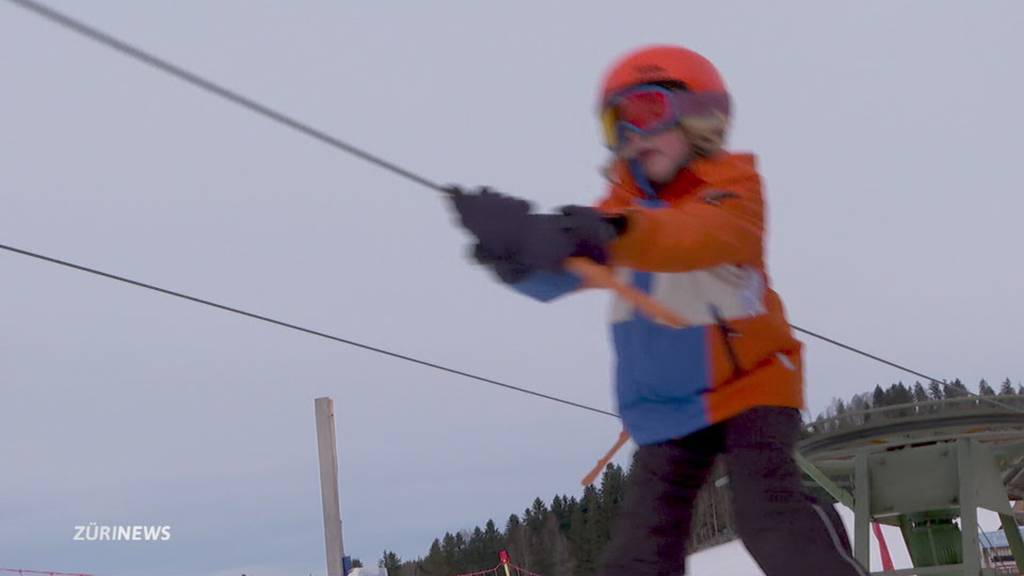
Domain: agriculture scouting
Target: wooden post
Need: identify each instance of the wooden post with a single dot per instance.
(328, 452)
(862, 510)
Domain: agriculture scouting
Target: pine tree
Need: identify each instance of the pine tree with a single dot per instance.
(512, 524)
(435, 563)
(921, 398)
(840, 409)
(539, 558)
(858, 404)
(984, 389)
(461, 560)
(899, 395)
(493, 542)
(475, 555)
(571, 506)
(904, 395)
(820, 424)
(559, 551)
(563, 514)
(610, 497)
(450, 552)
(890, 395)
(581, 541)
(536, 514)
(515, 540)
(955, 389)
(878, 399)
(390, 562)
(936, 390)
(920, 395)
(1007, 388)
(557, 506)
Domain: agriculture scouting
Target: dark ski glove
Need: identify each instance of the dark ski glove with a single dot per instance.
(590, 231)
(516, 243)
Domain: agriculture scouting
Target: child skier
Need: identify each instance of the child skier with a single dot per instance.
(684, 222)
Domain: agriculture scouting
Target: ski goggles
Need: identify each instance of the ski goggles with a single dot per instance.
(650, 108)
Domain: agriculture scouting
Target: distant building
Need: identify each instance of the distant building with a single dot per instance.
(996, 553)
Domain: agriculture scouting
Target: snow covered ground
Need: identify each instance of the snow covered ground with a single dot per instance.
(732, 559)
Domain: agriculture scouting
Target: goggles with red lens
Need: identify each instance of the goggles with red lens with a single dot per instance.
(646, 109)
(651, 108)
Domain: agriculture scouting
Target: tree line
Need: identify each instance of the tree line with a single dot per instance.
(565, 537)
(913, 400)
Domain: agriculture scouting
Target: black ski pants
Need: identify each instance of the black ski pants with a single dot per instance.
(786, 530)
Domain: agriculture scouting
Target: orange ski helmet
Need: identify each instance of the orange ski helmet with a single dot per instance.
(657, 64)
(697, 91)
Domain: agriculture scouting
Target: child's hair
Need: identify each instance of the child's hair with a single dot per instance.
(706, 133)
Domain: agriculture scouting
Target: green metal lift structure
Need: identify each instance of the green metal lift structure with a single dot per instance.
(925, 468)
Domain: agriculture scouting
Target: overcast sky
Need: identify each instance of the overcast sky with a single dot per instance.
(889, 135)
